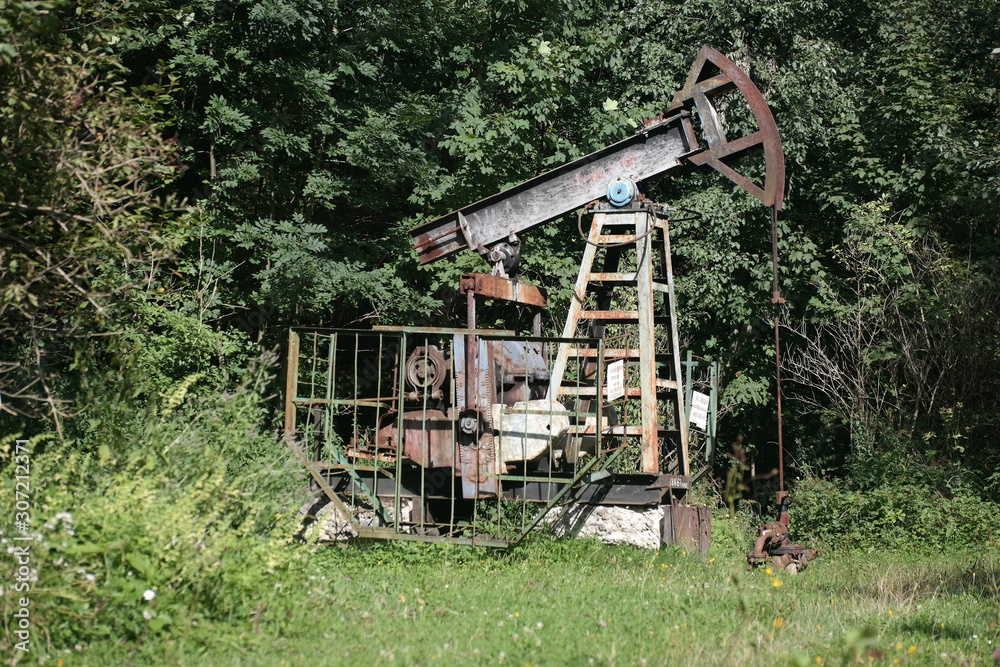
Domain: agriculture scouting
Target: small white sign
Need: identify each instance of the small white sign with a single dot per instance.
(616, 379)
(699, 410)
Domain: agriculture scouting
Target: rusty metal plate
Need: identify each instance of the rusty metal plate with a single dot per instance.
(495, 287)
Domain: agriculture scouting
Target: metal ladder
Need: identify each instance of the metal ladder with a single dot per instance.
(659, 374)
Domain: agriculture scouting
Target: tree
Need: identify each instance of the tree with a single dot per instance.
(81, 211)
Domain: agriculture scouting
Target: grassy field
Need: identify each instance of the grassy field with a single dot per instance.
(581, 603)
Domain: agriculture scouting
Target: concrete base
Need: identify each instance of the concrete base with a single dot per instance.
(611, 524)
(331, 525)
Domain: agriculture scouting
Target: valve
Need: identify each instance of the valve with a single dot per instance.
(621, 192)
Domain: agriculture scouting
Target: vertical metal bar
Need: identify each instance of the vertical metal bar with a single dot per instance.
(713, 409)
(312, 374)
(333, 365)
(688, 385)
(378, 388)
(470, 309)
(400, 391)
(454, 437)
(291, 383)
(425, 455)
(599, 395)
(471, 374)
(675, 350)
(777, 301)
(647, 343)
(327, 441)
(354, 412)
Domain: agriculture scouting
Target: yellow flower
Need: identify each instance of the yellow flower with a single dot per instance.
(911, 649)
(890, 612)
(819, 627)
(768, 570)
(819, 660)
(775, 582)
(778, 622)
(899, 646)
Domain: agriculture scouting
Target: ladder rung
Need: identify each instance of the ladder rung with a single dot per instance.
(622, 316)
(616, 353)
(621, 429)
(617, 238)
(591, 353)
(591, 429)
(661, 287)
(630, 392)
(611, 277)
(609, 315)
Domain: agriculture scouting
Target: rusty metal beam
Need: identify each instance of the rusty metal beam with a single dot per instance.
(495, 287)
(664, 143)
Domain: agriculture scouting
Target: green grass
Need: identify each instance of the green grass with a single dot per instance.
(581, 603)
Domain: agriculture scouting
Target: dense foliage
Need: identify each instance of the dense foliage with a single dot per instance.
(182, 180)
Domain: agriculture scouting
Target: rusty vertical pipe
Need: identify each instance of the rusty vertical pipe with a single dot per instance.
(471, 355)
(470, 309)
(777, 301)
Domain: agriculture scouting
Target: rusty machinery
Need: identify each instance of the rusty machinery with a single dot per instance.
(473, 435)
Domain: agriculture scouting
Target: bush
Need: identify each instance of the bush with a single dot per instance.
(895, 514)
(160, 525)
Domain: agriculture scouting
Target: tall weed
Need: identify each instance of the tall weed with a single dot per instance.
(157, 525)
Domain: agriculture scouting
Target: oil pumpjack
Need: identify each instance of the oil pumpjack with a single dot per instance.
(473, 435)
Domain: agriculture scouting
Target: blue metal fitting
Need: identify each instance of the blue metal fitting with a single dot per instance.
(620, 192)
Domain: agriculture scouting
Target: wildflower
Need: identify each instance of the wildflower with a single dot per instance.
(149, 595)
(147, 614)
(890, 612)
(819, 660)
(768, 570)
(899, 646)
(778, 622)
(911, 649)
(603, 623)
(776, 582)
